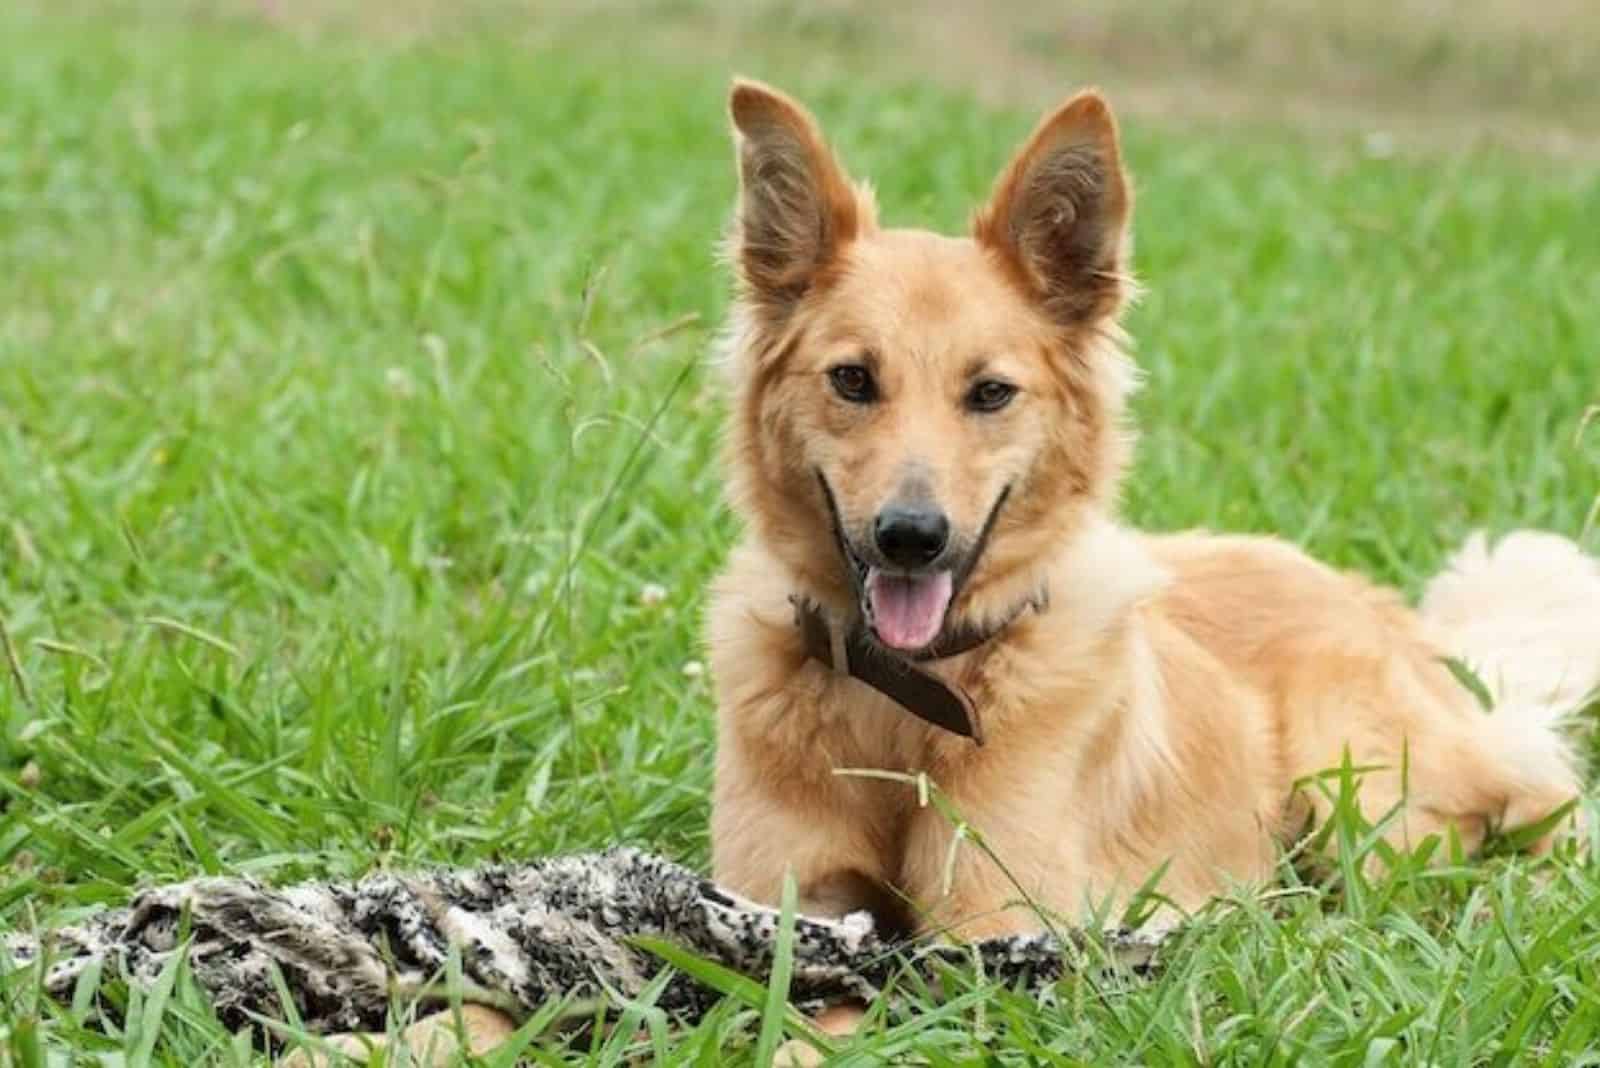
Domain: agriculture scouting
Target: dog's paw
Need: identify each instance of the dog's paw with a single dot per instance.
(836, 1021)
(797, 1053)
(432, 1040)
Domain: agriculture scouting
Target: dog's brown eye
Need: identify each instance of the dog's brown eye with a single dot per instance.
(854, 383)
(990, 395)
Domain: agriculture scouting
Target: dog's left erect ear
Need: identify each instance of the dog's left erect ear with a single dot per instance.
(797, 208)
(1059, 212)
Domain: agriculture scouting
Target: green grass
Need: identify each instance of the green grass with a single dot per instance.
(353, 393)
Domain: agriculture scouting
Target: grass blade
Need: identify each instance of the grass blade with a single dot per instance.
(777, 1001)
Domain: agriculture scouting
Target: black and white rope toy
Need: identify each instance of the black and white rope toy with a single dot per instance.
(565, 927)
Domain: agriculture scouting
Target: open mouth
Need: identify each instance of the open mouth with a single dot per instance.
(907, 612)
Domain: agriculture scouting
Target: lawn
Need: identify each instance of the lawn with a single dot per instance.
(359, 487)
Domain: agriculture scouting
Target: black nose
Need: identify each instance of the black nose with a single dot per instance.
(910, 537)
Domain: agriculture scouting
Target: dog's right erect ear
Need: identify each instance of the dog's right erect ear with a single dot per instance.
(797, 208)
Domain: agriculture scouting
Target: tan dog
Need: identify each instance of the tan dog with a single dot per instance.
(926, 444)
(927, 438)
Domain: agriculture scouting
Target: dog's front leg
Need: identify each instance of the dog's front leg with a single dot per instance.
(763, 830)
(990, 870)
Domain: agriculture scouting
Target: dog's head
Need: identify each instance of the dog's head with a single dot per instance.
(923, 422)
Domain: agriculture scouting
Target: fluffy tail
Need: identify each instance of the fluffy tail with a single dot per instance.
(1524, 614)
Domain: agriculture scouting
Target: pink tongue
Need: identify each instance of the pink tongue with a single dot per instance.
(907, 612)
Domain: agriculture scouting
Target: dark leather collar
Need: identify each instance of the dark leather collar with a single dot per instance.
(852, 651)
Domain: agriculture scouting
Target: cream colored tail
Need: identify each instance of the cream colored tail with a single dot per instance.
(1524, 614)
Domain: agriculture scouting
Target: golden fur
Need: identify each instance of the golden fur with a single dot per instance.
(1164, 708)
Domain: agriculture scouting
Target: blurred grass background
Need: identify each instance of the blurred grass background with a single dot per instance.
(1435, 74)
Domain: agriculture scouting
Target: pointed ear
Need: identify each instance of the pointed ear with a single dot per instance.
(797, 208)
(1059, 213)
